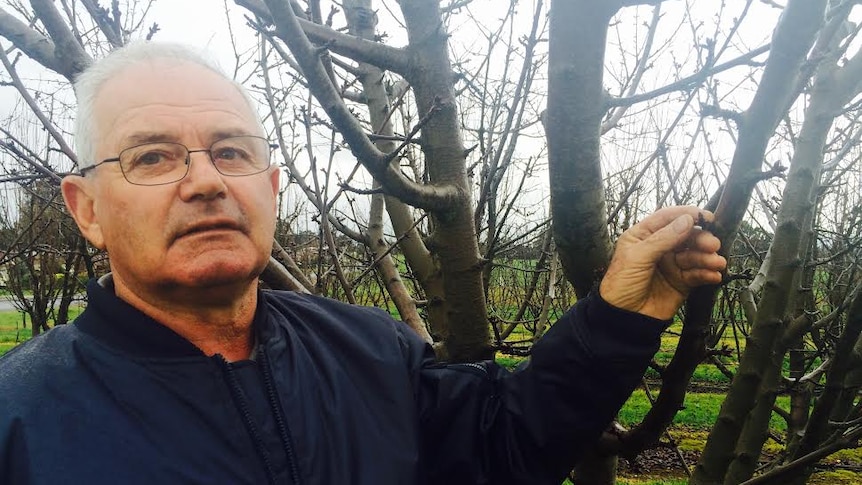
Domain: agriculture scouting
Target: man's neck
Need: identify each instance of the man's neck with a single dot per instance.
(215, 320)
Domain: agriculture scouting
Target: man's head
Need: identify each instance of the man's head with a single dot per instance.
(89, 83)
(206, 229)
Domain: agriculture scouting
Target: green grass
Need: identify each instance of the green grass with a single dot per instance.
(649, 481)
(646, 481)
(508, 361)
(700, 410)
(13, 332)
(690, 426)
(837, 477)
(705, 373)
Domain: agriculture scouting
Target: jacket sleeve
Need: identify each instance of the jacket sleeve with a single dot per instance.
(14, 460)
(481, 424)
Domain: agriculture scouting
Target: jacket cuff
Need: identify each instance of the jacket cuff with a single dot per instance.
(624, 325)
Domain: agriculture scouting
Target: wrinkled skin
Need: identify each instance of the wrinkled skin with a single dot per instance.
(660, 259)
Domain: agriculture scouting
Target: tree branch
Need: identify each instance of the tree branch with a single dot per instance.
(279, 278)
(780, 474)
(361, 50)
(388, 251)
(640, 69)
(348, 188)
(35, 45)
(715, 111)
(22, 90)
(295, 271)
(71, 57)
(688, 81)
(100, 17)
(40, 167)
(395, 183)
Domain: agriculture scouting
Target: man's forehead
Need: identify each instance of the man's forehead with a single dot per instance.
(169, 83)
(152, 100)
(151, 136)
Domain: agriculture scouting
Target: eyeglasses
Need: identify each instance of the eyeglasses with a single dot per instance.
(163, 163)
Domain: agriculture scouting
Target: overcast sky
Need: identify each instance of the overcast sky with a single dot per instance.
(204, 24)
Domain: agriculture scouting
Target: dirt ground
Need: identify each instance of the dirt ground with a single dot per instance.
(664, 464)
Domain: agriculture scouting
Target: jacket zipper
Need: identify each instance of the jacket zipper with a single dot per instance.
(280, 420)
(242, 404)
(481, 368)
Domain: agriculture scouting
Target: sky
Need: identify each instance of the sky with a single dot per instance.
(204, 24)
(199, 23)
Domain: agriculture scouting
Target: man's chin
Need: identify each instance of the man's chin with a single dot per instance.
(218, 274)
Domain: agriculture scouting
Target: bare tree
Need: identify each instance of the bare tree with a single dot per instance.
(413, 179)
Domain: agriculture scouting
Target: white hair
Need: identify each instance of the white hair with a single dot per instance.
(89, 83)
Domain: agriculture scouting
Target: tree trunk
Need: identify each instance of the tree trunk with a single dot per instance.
(361, 21)
(596, 469)
(800, 392)
(819, 428)
(576, 63)
(578, 33)
(744, 415)
(453, 243)
(425, 64)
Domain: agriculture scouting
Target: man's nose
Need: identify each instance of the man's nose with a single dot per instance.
(203, 180)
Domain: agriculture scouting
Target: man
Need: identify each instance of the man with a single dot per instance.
(181, 371)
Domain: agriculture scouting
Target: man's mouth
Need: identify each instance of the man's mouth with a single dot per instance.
(208, 226)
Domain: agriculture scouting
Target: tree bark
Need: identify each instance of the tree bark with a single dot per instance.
(454, 242)
(751, 395)
(824, 410)
(578, 33)
(70, 56)
(447, 195)
(361, 21)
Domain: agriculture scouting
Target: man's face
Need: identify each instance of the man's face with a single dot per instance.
(205, 231)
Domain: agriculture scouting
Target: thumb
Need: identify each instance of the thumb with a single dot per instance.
(668, 237)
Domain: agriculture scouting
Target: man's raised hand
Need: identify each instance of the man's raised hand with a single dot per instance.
(660, 259)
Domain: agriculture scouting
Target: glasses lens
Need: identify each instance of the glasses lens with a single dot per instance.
(154, 163)
(241, 155)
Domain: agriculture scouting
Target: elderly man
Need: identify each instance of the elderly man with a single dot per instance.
(181, 370)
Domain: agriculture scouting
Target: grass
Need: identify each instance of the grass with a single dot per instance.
(508, 361)
(13, 331)
(690, 426)
(643, 481)
(650, 481)
(700, 410)
(837, 477)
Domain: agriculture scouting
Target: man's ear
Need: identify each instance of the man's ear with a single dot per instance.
(79, 198)
(273, 180)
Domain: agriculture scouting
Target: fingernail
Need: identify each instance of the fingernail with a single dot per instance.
(682, 224)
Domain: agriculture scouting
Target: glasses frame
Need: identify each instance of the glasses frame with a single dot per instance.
(272, 146)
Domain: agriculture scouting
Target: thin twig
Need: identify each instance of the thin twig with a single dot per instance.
(388, 251)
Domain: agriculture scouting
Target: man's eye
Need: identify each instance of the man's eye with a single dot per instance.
(230, 153)
(149, 158)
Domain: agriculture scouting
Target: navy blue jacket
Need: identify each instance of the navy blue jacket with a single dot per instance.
(336, 394)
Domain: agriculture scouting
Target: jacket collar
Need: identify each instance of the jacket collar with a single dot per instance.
(123, 327)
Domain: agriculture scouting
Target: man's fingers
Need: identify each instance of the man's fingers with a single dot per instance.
(663, 217)
(688, 260)
(667, 238)
(700, 240)
(700, 276)
(691, 269)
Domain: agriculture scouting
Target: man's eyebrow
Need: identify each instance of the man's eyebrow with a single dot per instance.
(142, 137)
(222, 134)
(148, 137)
